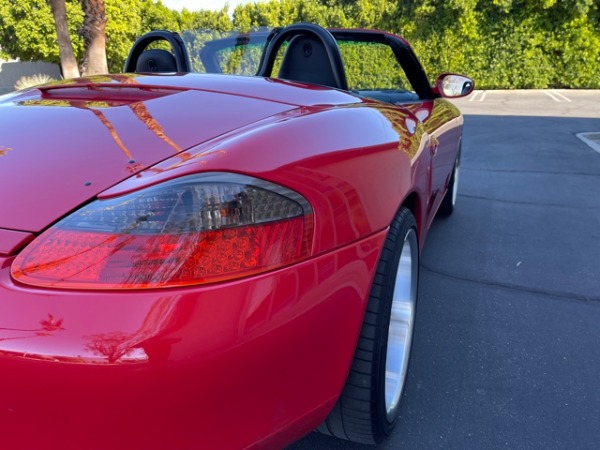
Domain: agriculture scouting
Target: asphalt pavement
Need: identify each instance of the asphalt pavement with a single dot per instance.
(506, 352)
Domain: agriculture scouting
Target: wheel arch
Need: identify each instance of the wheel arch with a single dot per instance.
(413, 202)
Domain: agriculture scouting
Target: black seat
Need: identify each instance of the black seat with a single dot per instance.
(156, 60)
(306, 60)
(312, 56)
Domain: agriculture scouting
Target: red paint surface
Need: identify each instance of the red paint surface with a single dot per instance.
(217, 367)
(253, 362)
(12, 241)
(72, 155)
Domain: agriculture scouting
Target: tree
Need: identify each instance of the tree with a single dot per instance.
(94, 37)
(28, 32)
(500, 43)
(68, 62)
(66, 31)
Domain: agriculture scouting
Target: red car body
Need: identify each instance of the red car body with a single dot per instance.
(252, 362)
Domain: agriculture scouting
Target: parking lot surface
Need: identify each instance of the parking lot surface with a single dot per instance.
(506, 352)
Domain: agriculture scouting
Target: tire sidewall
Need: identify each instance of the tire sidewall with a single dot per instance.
(384, 425)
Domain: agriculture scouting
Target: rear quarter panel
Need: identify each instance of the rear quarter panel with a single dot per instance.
(355, 164)
(281, 343)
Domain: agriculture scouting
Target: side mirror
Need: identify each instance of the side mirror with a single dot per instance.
(451, 85)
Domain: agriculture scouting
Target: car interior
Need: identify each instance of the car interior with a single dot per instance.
(301, 52)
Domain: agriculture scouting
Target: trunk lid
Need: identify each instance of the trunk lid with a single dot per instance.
(62, 145)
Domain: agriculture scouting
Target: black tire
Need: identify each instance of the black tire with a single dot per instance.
(367, 410)
(449, 202)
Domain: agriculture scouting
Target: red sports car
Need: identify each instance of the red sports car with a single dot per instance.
(225, 259)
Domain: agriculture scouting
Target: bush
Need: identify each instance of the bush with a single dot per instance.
(33, 80)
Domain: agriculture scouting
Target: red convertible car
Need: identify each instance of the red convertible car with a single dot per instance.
(219, 248)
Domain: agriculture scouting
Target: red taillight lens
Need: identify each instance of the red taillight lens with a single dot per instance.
(191, 231)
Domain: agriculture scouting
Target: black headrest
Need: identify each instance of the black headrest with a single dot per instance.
(156, 60)
(306, 60)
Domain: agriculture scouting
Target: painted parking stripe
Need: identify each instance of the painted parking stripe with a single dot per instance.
(549, 94)
(559, 95)
(474, 96)
(591, 139)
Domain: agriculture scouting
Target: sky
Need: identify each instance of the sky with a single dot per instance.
(192, 5)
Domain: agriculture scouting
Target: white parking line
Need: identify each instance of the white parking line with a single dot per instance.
(474, 96)
(559, 95)
(549, 94)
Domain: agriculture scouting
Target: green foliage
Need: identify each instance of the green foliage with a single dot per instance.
(27, 29)
(506, 43)
(156, 16)
(123, 27)
(372, 66)
(500, 43)
(208, 20)
(278, 13)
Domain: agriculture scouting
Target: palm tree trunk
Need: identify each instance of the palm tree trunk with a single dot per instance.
(94, 37)
(68, 63)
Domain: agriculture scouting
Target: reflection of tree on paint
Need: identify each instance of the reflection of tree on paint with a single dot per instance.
(113, 346)
(111, 129)
(150, 342)
(409, 133)
(433, 118)
(442, 113)
(142, 113)
(48, 326)
(139, 109)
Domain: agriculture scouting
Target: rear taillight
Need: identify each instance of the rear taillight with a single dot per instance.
(194, 230)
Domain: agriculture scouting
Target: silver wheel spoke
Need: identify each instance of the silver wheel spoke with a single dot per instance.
(455, 184)
(401, 323)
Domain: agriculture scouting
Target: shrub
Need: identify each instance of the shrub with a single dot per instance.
(33, 80)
